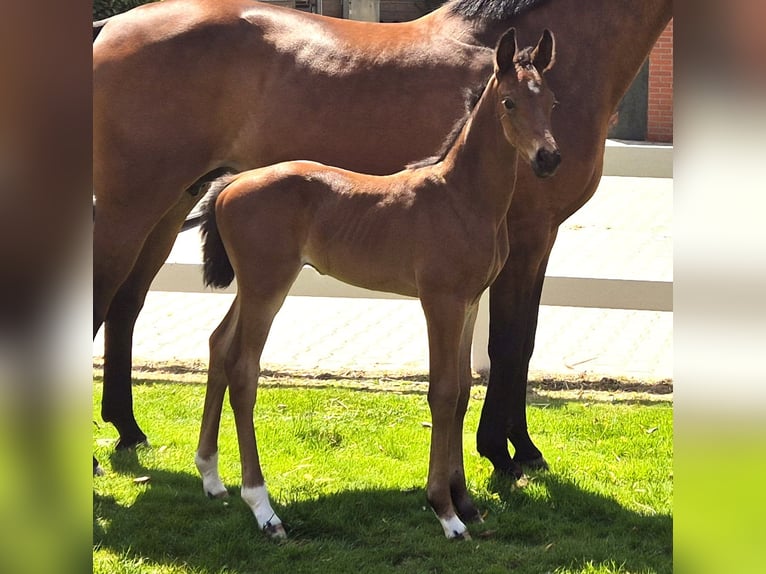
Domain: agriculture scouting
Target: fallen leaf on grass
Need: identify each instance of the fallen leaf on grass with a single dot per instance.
(142, 479)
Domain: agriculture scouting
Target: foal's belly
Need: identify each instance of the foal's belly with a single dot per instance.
(367, 272)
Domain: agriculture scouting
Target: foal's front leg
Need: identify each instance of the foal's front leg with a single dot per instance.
(461, 499)
(445, 318)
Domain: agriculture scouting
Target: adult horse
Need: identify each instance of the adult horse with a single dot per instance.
(436, 231)
(184, 89)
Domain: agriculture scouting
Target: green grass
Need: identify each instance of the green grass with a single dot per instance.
(346, 470)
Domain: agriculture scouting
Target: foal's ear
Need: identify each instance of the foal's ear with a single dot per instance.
(544, 54)
(505, 51)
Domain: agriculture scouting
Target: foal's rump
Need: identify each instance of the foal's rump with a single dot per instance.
(362, 229)
(260, 211)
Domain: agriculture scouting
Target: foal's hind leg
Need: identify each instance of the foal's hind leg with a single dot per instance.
(257, 312)
(206, 457)
(462, 501)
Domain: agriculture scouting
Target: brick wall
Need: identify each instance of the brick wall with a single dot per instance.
(659, 126)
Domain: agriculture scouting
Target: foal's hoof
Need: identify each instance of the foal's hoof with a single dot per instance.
(220, 495)
(460, 536)
(275, 531)
(454, 529)
(468, 513)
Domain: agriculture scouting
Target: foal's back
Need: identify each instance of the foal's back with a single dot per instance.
(370, 231)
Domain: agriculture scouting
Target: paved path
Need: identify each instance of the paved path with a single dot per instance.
(624, 232)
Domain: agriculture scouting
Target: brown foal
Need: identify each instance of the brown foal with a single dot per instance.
(437, 232)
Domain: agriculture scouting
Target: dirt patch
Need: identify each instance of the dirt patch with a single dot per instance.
(541, 386)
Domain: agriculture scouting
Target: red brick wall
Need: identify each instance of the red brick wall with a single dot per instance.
(659, 124)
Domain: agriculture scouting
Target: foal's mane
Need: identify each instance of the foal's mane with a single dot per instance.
(472, 97)
(522, 60)
(492, 9)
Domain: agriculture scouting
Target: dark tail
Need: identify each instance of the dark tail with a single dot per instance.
(217, 269)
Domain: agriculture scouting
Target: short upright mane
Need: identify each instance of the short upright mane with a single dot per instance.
(472, 97)
(492, 9)
(522, 60)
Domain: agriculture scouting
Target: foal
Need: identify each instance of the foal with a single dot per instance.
(437, 232)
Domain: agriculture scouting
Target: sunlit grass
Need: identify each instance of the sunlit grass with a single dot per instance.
(346, 469)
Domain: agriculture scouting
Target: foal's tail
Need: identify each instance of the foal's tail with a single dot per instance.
(98, 25)
(217, 269)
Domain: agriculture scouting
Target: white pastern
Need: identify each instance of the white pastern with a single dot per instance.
(257, 498)
(211, 482)
(454, 527)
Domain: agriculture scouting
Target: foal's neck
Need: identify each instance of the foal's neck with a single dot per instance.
(481, 165)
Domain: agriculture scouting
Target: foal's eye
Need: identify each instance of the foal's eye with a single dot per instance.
(508, 104)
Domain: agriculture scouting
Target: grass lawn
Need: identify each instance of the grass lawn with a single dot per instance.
(346, 466)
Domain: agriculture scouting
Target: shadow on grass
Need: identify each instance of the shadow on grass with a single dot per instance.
(556, 524)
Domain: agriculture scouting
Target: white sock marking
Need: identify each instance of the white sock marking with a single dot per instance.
(208, 468)
(257, 498)
(453, 526)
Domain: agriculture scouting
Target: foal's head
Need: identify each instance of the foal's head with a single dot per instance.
(524, 102)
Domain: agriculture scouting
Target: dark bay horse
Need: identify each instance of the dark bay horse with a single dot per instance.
(437, 232)
(184, 89)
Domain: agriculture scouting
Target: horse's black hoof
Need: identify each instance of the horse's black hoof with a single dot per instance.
(533, 464)
(511, 470)
(131, 443)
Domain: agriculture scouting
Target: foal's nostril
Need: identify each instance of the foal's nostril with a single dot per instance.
(546, 162)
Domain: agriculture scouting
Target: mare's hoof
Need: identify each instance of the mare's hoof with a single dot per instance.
(275, 531)
(533, 464)
(507, 467)
(522, 481)
(131, 443)
(515, 481)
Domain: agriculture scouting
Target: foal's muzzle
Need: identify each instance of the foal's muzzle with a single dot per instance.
(546, 162)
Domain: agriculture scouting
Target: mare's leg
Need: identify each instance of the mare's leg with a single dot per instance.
(514, 305)
(117, 402)
(461, 500)
(445, 319)
(206, 457)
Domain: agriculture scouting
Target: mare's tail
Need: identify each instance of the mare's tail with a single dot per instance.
(217, 269)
